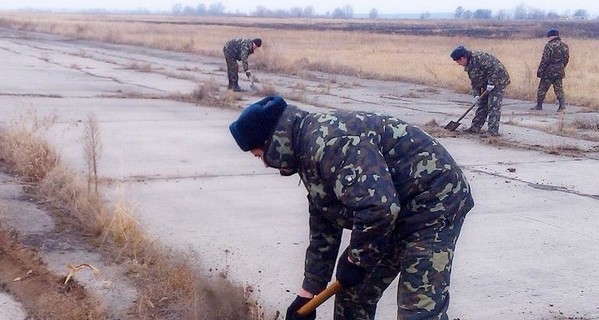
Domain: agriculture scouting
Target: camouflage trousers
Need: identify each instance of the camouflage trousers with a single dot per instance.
(544, 85)
(232, 70)
(423, 261)
(489, 108)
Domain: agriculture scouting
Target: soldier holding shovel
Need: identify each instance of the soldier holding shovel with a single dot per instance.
(395, 187)
(486, 73)
(239, 50)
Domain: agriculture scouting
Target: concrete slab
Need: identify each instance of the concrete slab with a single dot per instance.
(527, 249)
(10, 309)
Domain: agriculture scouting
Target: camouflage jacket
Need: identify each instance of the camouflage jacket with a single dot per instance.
(240, 50)
(483, 69)
(373, 174)
(556, 56)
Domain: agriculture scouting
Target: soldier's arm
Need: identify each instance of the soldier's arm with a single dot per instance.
(244, 54)
(322, 251)
(545, 58)
(566, 55)
(362, 181)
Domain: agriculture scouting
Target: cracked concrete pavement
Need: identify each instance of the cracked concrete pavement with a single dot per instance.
(527, 250)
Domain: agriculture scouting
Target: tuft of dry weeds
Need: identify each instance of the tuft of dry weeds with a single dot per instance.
(564, 149)
(266, 88)
(588, 123)
(208, 93)
(27, 156)
(141, 67)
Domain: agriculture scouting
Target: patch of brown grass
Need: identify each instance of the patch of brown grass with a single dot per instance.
(586, 123)
(27, 156)
(563, 149)
(208, 93)
(141, 67)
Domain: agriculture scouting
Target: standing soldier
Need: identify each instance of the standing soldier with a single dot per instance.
(552, 69)
(239, 50)
(401, 194)
(486, 73)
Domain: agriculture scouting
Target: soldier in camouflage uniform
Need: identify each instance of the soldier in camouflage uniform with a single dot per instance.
(239, 50)
(552, 69)
(395, 187)
(486, 73)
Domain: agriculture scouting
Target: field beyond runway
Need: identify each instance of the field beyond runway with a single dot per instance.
(527, 251)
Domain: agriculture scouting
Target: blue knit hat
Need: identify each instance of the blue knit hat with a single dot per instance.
(458, 52)
(552, 32)
(257, 122)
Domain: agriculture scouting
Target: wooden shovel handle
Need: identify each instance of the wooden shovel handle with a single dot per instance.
(483, 95)
(319, 299)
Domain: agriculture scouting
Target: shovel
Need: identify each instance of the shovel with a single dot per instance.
(319, 299)
(452, 125)
(252, 85)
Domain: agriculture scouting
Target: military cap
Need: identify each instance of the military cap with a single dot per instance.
(552, 32)
(257, 122)
(458, 52)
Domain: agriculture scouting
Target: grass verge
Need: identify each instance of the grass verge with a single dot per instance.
(169, 286)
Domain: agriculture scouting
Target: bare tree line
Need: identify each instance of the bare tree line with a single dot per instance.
(520, 12)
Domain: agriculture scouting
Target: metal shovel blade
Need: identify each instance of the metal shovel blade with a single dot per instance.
(252, 85)
(452, 125)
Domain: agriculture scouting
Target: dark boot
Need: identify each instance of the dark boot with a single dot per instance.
(472, 130)
(539, 106)
(236, 88)
(562, 105)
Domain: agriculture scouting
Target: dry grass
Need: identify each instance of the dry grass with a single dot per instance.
(28, 157)
(208, 93)
(563, 149)
(586, 124)
(418, 59)
(170, 287)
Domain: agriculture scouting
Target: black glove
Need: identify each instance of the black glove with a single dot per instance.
(348, 273)
(248, 74)
(296, 305)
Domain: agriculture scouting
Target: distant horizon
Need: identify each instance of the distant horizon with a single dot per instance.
(383, 7)
(431, 15)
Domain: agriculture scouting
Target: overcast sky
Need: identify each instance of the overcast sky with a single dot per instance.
(320, 6)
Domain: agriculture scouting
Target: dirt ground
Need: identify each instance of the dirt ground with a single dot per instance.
(525, 252)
